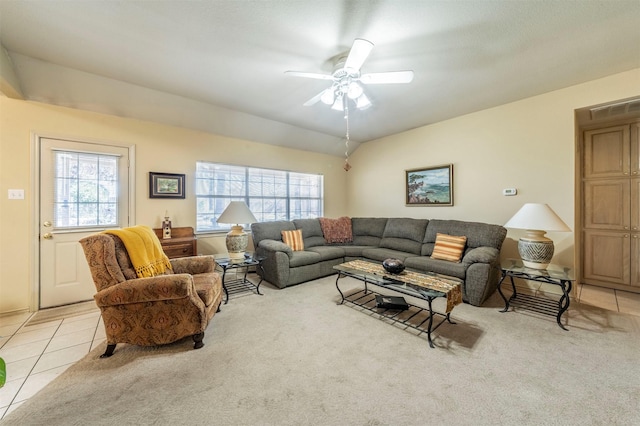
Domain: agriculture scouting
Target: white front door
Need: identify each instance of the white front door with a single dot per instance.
(84, 188)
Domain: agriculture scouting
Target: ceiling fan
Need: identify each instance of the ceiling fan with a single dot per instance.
(347, 79)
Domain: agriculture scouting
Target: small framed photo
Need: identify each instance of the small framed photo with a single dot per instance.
(430, 186)
(166, 185)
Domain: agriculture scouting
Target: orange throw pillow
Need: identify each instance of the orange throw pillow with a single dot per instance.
(293, 239)
(448, 247)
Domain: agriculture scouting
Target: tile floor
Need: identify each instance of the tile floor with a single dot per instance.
(36, 354)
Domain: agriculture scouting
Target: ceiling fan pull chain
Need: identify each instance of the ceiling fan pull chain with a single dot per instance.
(347, 166)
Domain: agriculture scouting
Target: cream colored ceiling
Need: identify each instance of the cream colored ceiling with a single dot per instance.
(218, 66)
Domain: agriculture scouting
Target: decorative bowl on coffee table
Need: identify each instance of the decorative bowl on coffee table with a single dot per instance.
(393, 266)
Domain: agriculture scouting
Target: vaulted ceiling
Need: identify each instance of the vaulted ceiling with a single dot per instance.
(218, 65)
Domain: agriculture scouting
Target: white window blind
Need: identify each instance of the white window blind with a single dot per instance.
(270, 194)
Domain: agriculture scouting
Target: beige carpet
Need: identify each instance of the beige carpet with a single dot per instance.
(294, 357)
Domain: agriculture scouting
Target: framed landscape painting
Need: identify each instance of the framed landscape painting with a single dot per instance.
(430, 186)
(166, 185)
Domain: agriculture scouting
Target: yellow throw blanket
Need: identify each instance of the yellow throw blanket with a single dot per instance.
(144, 250)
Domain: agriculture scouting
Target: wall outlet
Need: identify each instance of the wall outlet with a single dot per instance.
(509, 191)
(16, 194)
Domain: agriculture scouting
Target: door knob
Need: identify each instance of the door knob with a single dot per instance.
(47, 224)
(48, 236)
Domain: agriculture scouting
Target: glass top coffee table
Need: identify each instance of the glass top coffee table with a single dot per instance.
(422, 286)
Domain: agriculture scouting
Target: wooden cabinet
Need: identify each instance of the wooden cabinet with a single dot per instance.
(182, 243)
(607, 257)
(611, 210)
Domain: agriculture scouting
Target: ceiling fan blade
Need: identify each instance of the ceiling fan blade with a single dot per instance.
(387, 77)
(326, 96)
(310, 75)
(358, 54)
(314, 100)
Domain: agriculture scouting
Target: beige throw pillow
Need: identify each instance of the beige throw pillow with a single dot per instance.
(449, 247)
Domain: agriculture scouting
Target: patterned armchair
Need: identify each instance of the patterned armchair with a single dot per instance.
(155, 310)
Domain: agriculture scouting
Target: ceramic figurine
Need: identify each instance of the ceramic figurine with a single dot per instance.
(166, 228)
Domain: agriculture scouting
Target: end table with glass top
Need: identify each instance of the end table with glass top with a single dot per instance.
(558, 275)
(239, 285)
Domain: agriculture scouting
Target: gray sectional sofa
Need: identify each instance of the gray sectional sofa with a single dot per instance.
(376, 239)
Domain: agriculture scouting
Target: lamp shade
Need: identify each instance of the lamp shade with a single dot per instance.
(237, 239)
(535, 249)
(237, 212)
(538, 217)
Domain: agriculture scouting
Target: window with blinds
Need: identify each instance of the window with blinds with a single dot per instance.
(270, 194)
(85, 189)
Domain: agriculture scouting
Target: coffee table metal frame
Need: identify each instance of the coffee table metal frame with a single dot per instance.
(389, 283)
(240, 284)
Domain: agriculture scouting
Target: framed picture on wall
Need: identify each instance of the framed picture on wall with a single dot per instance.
(166, 185)
(430, 186)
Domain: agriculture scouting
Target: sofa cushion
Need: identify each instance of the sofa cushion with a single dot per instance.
(478, 234)
(404, 234)
(380, 254)
(311, 232)
(336, 230)
(427, 264)
(449, 247)
(353, 251)
(303, 258)
(270, 230)
(372, 226)
(328, 252)
(293, 239)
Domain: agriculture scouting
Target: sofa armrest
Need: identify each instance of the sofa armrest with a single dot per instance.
(152, 289)
(273, 245)
(193, 265)
(481, 255)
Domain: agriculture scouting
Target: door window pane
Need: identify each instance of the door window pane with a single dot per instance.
(86, 189)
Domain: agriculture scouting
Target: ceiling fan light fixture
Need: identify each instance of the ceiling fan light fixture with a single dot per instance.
(328, 96)
(363, 102)
(338, 105)
(355, 90)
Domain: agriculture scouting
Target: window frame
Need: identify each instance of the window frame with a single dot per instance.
(313, 200)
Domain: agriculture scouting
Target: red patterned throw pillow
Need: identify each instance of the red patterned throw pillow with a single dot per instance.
(336, 230)
(293, 239)
(448, 247)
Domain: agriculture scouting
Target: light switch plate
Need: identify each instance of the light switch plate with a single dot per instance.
(16, 194)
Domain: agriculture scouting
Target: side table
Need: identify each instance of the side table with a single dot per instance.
(183, 242)
(558, 275)
(240, 285)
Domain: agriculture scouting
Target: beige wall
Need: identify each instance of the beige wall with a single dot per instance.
(528, 145)
(158, 148)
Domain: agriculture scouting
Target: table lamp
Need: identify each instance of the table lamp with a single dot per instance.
(236, 213)
(535, 249)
